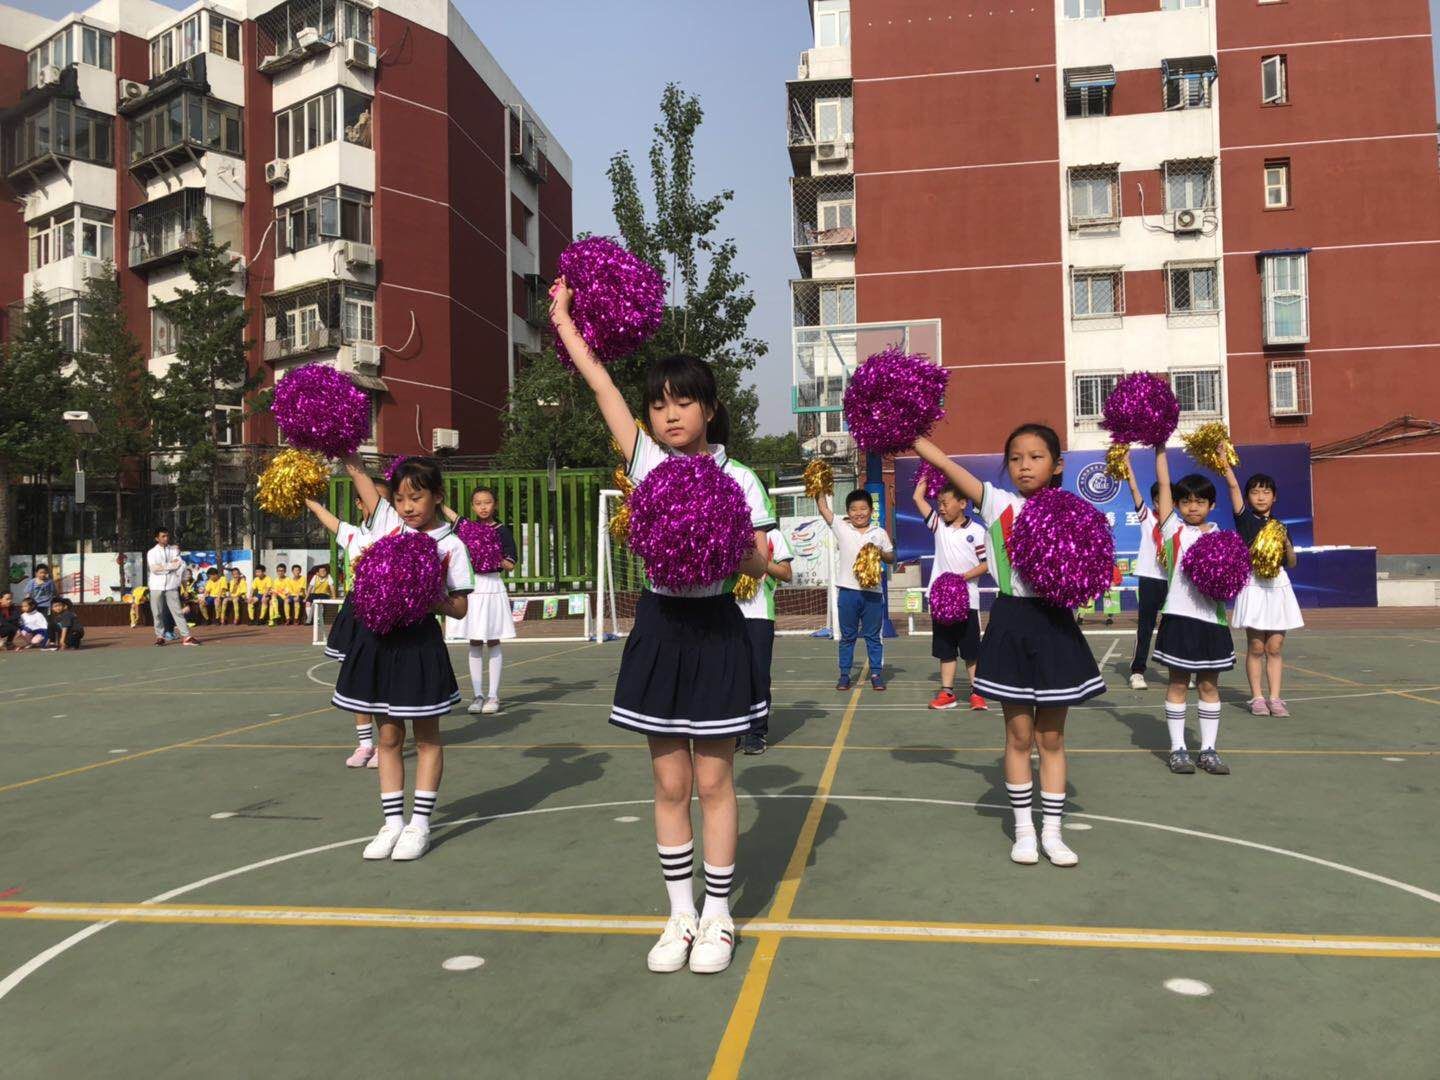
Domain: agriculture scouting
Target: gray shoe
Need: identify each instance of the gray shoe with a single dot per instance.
(753, 744)
(1180, 762)
(1211, 763)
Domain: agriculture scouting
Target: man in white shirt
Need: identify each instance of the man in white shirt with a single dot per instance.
(164, 565)
(862, 609)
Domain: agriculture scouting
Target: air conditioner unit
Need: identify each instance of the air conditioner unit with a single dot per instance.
(49, 74)
(365, 358)
(445, 438)
(359, 54)
(1187, 221)
(130, 90)
(307, 37)
(832, 151)
(357, 254)
(829, 447)
(277, 172)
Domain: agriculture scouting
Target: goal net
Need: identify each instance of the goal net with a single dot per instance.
(803, 605)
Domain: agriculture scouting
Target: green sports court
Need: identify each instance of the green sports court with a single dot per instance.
(181, 890)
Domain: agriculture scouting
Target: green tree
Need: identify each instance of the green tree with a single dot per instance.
(552, 413)
(209, 370)
(113, 384)
(776, 450)
(34, 394)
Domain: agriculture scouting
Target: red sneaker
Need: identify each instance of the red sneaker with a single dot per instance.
(944, 700)
(977, 703)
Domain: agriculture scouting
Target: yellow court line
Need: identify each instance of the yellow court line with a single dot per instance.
(1352, 682)
(736, 1040)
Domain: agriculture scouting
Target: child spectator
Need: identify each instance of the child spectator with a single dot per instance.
(65, 625)
(213, 604)
(861, 609)
(9, 620)
(42, 589)
(34, 626)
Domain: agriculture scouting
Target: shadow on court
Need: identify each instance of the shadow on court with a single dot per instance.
(768, 842)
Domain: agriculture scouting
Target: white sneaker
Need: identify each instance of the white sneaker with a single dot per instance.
(1056, 850)
(669, 953)
(1024, 851)
(715, 946)
(476, 707)
(1137, 681)
(414, 841)
(384, 841)
(491, 706)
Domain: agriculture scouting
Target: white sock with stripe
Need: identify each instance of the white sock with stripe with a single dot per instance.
(1021, 797)
(365, 735)
(717, 890)
(424, 806)
(1052, 809)
(392, 805)
(677, 863)
(1175, 721)
(1209, 724)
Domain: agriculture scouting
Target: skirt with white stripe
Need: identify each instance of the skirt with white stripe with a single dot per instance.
(342, 631)
(687, 670)
(1188, 644)
(405, 674)
(1033, 653)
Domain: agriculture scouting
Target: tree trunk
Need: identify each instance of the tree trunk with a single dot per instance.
(7, 518)
(50, 529)
(119, 535)
(215, 466)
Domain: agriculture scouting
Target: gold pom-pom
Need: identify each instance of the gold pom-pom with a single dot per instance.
(1267, 553)
(615, 446)
(620, 523)
(746, 587)
(622, 480)
(1209, 444)
(867, 567)
(1115, 465)
(819, 478)
(291, 478)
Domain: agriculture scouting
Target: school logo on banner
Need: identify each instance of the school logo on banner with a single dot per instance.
(1096, 485)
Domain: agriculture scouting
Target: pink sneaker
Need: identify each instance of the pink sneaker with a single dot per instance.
(374, 762)
(1258, 707)
(362, 757)
(1277, 707)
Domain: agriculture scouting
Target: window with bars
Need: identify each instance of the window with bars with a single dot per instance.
(1197, 391)
(1097, 294)
(1290, 387)
(1188, 82)
(1287, 298)
(1088, 90)
(1094, 196)
(1193, 288)
(1091, 390)
(1190, 185)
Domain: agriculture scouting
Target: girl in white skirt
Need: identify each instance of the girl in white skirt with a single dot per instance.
(688, 680)
(488, 620)
(1266, 608)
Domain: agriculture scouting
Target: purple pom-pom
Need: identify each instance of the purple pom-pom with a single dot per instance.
(1063, 548)
(394, 467)
(318, 408)
(398, 581)
(949, 599)
(1218, 564)
(893, 399)
(482, 540)
(935, 480)
(1141, 409)
(619, 298)
(690, 522)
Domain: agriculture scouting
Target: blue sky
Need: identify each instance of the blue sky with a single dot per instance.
(596, 77)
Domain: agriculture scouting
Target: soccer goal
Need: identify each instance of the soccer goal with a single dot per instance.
(803, 605)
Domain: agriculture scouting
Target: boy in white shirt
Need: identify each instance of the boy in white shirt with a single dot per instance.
(959, 549)
(862, 610)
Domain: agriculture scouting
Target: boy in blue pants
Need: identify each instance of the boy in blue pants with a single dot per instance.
(862, 610)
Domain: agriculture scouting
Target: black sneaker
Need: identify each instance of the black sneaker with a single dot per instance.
(1211, 763)
(877, 682)
(843, 683)
(753, 744)
(1181, 764)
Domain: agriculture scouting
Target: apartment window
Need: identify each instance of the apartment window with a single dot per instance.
(1088, 90)
(1274, 88)
(338, 213)
(1197, 391)
(302, 324)
(232, 422)
(1090, 394)
(835, 119)
(836, 219)
(1188, 82)
(312, 123)
(520, 218)
(61, 128)
(355, 22)
(1290, 387)
(75, 230)
(164, 337)
(97, 233)
(69, 324)
(1094, 196)
(1189, 185)
(1179, 5)
(58, 52)
(837, 305)
(203, 121)
(224, 37)
(1084, 9)
(359, 315)
(1287, 298)
(1277, 184)
(1097, 294)
(97, 48)
(1193, 288)
(832, 23)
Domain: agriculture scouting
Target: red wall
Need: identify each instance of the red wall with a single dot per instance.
(132, 61)
(259, 216)
(14, 237)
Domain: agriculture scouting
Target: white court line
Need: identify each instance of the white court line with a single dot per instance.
(1109, 653)
(35, 963)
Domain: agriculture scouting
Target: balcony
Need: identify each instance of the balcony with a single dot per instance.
(822, 216)
(187, 75)
(820, 122)
(46, 131)
(322, 316)
(302, 342)
(181, 128)
(166, 230)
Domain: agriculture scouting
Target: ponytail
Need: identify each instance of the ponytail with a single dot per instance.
(718, 430)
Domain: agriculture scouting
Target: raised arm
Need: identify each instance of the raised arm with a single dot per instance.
(921, 502)
(607, 395)
(780, 571)
(451, 514)
(1237, 497)
(324, 516)
(1135, 495)
(964, 480)
(1165, 500)
(822, 504)
(365, 489)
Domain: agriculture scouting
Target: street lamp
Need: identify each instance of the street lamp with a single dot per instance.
(83, 427)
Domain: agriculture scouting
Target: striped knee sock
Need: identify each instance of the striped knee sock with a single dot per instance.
(1052, 808)
(717, 890)
(423, 807)
(1209, 724)
(677, 863)
(392, 805)
(1021, 796)
(1175, 721)
(365, 734)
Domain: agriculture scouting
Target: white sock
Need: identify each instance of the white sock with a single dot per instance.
(717, 890)
(365, 735)
(1052, 806)
(1021, 796)
(1175, 721)
(477, 669)
(392, 805)
(677, 863)
(422, 809)
(1209, 724)
(495, 660)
